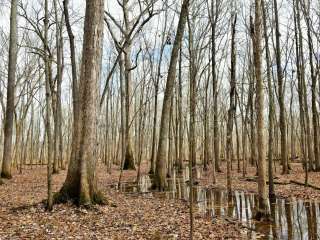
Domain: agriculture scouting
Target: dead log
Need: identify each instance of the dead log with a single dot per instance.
(305, 185)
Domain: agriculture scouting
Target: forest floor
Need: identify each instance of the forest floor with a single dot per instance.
(284, 187)
(126, 216)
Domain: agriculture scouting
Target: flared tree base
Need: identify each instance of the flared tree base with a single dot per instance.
(262, 216)
(6, 175)
(159, 184)
(68, 195)
(129, 162)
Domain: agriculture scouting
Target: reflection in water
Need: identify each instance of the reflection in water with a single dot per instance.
(292, 219)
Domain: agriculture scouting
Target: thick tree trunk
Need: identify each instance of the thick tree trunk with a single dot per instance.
(8, 125)
(81, 182)
(160, 174)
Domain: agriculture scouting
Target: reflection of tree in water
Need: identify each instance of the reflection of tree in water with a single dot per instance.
(291, 219)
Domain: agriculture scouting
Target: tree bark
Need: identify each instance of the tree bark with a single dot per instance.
(81, 183)
(263, 210)
(282, 117)
(214, 19)
(271, 103)
(128, 158)
(232, 108)
(8, 125)
(48, 107)
(160, 174)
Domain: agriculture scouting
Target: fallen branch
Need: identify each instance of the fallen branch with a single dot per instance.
(248, 179)
(305, 185)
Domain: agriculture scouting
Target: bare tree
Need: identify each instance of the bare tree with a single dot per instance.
(232, 108)
(160, 174)
(5, 170)
(81, 185)
(262, 210)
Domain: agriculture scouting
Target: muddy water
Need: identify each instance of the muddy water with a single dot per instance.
(293, 219)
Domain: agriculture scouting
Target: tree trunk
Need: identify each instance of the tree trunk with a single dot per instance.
(129, 157)
(73, 173)
(263, 210)
(232, 108)
(48, 107)
(8, 125)
(313, 95)
(282, 117)
(81, 183)
(160, 174)
(214, 19)
(180, 116)
(271, 103)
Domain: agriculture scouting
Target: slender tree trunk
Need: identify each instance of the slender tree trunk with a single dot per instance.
(180, 116)
(129, 157)
(304, 115)
(271, 103)
(232, 108)
(72, 179)
(155, 114)
(214, 17)
(313, 94)
(57, 102)
(263, 210)
(160, 174)
(48, 108)
(192, 121)
(5, 170)
(282, 118)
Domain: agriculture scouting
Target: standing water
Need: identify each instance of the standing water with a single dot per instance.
(292, 219)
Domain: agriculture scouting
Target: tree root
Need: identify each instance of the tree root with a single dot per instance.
(97, 198)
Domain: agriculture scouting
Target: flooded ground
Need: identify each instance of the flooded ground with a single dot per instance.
(293, 219)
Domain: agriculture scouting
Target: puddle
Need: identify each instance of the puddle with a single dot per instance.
(293, 219)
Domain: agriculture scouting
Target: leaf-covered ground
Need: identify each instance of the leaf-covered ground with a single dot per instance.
(127, 216)
(285, 189)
